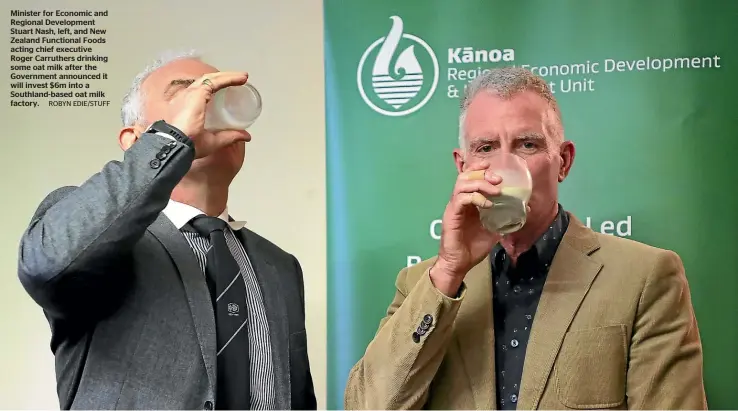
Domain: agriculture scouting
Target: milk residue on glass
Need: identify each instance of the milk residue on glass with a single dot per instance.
(233, 108)
(508, 212)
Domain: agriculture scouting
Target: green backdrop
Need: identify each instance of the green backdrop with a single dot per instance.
(648, 94)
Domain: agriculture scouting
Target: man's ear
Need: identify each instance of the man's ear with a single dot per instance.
(459, 160)
(567, 153)
(128, 136)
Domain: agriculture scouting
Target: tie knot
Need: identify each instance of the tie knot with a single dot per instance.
(205, 225)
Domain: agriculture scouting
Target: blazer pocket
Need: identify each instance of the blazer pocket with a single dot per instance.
(298, 341)
(590, 370)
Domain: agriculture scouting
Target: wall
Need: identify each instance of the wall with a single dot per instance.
(279, 43)
(647, 93)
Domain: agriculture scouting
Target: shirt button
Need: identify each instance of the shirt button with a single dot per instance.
(514, 343)
(514, 398)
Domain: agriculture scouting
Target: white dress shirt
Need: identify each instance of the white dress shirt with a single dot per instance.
(260, 348)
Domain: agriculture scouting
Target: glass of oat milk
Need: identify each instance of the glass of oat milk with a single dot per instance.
(508, 213)
(233, 108)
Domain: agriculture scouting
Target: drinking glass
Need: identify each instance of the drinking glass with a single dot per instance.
(233, 108)
(508, 213)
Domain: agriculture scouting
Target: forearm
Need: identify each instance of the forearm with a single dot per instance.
(403, 358)
(86, 229)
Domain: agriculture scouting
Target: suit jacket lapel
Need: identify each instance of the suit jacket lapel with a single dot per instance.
(569, 279)
(268, 279)
(196, 289)
(476, 335)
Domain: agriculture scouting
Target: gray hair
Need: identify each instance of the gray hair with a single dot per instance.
(132, 108)
(506, 82)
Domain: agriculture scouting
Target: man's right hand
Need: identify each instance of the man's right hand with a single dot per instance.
(464, 240)
(187, 112)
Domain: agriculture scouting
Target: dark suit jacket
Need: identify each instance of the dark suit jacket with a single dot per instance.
(130, 312)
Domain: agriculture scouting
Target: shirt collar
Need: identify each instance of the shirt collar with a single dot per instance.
(180, 214)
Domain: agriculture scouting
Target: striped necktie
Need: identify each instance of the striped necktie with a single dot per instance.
(228, 291)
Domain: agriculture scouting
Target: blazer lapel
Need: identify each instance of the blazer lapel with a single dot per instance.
(475, 333)
(569, 279)
(268, 279)
(198, 296)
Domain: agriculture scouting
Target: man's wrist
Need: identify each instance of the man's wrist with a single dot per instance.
(445, 280)
(165, 135)
(162, 128)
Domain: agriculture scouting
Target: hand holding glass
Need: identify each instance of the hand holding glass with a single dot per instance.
(508, 212)
(233, 108)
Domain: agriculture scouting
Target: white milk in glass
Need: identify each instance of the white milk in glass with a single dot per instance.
(508, 213)
(233, 108)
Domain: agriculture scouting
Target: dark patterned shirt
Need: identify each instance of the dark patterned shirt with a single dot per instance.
(516, 291)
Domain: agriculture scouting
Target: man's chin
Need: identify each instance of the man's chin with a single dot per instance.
(224, 164)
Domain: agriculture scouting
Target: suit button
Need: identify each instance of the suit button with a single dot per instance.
(514, 398)
(424, 326)
(166, 149)
(208, 405)
(420, 331)
(428, 319)
(161, 155)
(517, 289)
(154, 163)
(416, 337)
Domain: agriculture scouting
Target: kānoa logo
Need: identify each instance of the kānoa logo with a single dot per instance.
(397, 84)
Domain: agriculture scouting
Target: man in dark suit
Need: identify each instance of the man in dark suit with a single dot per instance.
(156, 298)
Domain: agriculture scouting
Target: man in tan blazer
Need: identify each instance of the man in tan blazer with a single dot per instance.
(553, 316)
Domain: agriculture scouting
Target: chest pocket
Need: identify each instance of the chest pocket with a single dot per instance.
(590, 370)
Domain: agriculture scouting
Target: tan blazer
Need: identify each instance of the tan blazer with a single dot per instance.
(614, 329)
